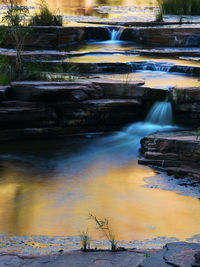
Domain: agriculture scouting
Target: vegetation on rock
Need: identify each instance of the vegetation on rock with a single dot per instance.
(45, 17)
(180, 7)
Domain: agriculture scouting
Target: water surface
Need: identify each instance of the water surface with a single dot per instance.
(49, 187)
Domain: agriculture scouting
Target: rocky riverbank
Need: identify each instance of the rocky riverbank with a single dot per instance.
(174, 254)
(176, 153)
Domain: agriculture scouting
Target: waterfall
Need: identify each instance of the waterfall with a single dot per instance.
(160, 113)
(154, 66)
(115, 34)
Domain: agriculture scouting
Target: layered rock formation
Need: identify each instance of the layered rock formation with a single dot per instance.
(54, 37)
(186, 105)
(177, 153)
(38, 109)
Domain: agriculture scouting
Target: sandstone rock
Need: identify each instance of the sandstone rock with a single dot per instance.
(186, 105)
(178, 153)
(50, 92)
(78, 95)
(180, 254)
(163, 36)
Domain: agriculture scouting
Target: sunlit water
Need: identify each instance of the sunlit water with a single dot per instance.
(49, 187)
(156, 79)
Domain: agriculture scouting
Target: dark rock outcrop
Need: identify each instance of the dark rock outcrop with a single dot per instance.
(177, 153)
(54, 37)
(186, 105)
(163, 36)
(38, 108)
(180, 254)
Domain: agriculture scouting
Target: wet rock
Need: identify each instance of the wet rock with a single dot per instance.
(177, 153)
(180, 254)
(51, 37)
(186, 105)
(78, 95)
(163, 36)
(51, 91)
(25, 116)
(97, 33)
(197, 257)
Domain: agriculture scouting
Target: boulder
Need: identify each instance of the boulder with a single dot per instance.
(177, 153)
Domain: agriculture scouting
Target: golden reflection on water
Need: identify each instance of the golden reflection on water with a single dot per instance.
(155, 80)
(60, 205)
(85, 7)
(131, 58)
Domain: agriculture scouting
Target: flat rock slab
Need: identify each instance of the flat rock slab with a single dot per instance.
(179, 254)
(77, 259)
(178, 153)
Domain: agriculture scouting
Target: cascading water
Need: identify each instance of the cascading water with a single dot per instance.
(160, 113)
(126, 142)
(115, 34)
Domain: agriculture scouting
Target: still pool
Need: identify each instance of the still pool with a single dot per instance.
(49, 187)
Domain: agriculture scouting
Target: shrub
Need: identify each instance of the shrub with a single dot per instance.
(180, 7)
(15, 19)
(45, 17)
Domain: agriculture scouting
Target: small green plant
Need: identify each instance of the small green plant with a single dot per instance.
(85, 240)
(103, 225)
(198, 133)
(159, 16)
(147, 255)
(45, 17)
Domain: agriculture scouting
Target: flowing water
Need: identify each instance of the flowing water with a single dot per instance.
(49, 187)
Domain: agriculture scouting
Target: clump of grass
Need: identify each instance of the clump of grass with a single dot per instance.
(103, 225)
(85, 240)
(187, 7)
(45, 17)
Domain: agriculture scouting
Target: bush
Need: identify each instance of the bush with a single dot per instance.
(45, 17)
(180, 7)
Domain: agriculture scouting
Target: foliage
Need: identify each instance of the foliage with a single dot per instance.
(198, 133)
(7, 70)
(103, 225)
(147, 255)
(159, 16)
(14, 22)
(85, 240)
(45, 17)
(180, 7)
